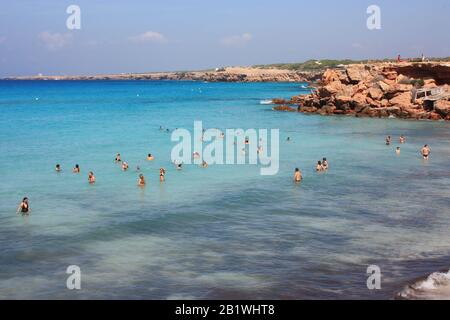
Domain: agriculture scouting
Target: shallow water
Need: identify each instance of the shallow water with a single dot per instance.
(222, 232)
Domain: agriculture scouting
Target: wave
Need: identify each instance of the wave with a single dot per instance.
(266, 102)
(435, 287)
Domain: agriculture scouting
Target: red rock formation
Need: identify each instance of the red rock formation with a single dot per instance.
(377, 90)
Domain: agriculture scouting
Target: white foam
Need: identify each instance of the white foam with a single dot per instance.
(266, 102)
(435, 287)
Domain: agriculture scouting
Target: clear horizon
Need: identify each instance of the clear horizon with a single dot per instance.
(149, 37)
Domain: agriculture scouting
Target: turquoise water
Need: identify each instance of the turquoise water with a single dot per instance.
(222, 232)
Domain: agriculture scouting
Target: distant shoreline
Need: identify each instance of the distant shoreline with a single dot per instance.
(229, 74)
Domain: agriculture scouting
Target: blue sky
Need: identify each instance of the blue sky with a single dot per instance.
(146, 35)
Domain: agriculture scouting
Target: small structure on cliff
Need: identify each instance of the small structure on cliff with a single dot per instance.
(430, 96)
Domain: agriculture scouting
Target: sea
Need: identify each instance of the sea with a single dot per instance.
(222, 232)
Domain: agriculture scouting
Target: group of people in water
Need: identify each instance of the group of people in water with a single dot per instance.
(322, 166)
(425, 151)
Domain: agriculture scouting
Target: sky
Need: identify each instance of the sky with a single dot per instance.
(150, 35)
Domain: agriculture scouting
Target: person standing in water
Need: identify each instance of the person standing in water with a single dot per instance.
(162, 174)
(117, 159)
(325, 164)
(402, 139)
(298, 175)
(24, 207)
(319, 166)
(76, 169)
(91, 177)
(425, 152)
(388, 140)
(150, 157)
(141, 181)
(58, 168)
(124, 166)
(397, 151)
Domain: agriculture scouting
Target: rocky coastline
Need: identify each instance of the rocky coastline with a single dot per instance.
(229, 74)
(400, 90)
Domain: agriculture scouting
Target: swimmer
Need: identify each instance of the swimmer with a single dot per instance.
(298, 175)
(179, 166)
(162, 174)
(425, 152)
(141, 181)
(138, 168)
(161, 128)
(288, 139)
(91, 177)
(76, 169)
(124, 166)
(402, 139)
(397, 151)
(319, 166)
(150, 157)
(204, 164)
(58, 168)
(117, 159)
(24, 207)
(324, 164)
(388, 140)
(196, 155)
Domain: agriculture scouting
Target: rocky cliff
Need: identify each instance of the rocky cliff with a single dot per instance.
(379, 90)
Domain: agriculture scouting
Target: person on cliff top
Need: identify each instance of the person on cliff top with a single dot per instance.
(425, 152)
(388, 140)
(297, 175)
